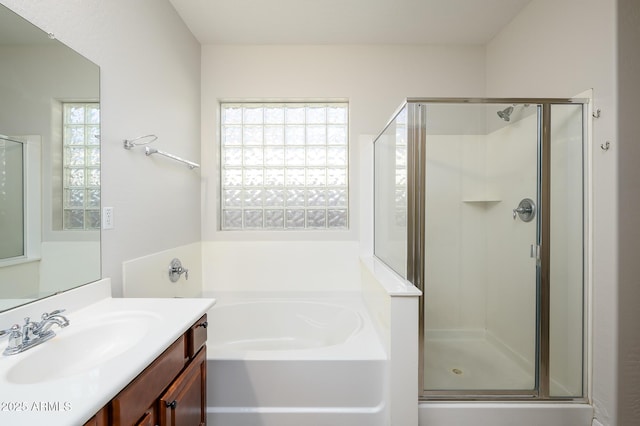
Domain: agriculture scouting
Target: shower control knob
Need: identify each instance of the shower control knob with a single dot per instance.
(526, 210)
(520, 210)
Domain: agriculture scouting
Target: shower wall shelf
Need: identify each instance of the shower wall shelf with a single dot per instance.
(481, 200)
(480, 196)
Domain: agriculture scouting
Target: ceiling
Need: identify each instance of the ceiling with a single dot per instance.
(347, 21)
(15, 30)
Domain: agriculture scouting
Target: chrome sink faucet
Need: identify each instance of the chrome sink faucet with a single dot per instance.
(33, 333)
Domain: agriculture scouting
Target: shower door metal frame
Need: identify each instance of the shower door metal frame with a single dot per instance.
(416, 197)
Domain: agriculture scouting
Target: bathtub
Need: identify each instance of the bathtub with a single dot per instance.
(294, 361)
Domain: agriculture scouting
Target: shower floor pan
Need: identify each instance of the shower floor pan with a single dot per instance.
(470, 360)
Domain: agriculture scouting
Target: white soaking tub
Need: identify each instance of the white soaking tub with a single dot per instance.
(294, 361)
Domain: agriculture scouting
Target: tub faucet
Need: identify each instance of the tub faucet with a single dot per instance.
(176, 269)
(33, 333)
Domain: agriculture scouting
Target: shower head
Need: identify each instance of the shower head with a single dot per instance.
(505, 114)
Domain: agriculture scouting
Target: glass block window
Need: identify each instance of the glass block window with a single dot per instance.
(81, 166)
(284, 166)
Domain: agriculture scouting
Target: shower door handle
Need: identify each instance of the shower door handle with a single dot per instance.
(535, 252)
(535, 249)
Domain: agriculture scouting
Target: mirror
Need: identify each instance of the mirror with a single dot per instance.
(49, 165)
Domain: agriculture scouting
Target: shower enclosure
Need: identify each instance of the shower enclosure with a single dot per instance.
(482, 204)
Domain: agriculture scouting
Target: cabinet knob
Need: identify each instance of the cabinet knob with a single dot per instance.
(171, 404)
(203, 324)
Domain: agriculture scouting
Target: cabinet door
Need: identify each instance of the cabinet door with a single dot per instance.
(183, 404)
(100, 419)
(147, 419)
(133, 401)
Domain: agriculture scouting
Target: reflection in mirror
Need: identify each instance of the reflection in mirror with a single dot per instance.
(11, 198)
(49, 165)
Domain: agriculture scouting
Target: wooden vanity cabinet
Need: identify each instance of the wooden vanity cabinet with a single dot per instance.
(170, 391)
(140, 396)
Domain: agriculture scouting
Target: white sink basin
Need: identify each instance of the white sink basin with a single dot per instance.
(82, 347)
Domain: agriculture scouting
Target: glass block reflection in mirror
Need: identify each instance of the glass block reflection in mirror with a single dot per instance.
(284, 165)
(81, 163)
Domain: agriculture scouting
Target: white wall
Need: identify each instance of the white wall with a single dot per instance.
(628, 67)
(559, 49)
(294, 266)
(55, 266)
(148, 276)
(20, 281)
(375, 80)
(150, 83)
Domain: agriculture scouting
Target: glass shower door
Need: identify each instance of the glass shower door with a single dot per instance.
(481, 239)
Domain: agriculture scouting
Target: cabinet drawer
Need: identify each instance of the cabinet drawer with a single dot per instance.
(132, 403)
(197, 336)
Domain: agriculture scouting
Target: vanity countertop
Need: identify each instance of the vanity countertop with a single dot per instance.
(129, 334)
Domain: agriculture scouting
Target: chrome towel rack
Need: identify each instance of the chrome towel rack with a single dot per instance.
(147, 139)
(140, 140)
(150, 151)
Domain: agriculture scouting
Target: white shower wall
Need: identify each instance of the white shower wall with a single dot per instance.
(477, 257)
(456, 238)
(511, 293)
